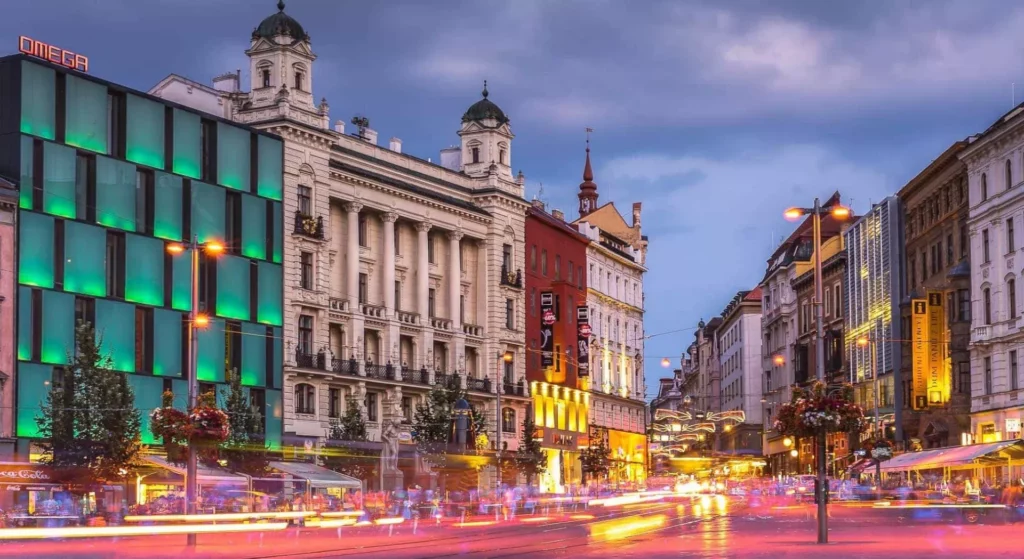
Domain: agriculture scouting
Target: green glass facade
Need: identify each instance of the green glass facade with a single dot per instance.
(93, 232)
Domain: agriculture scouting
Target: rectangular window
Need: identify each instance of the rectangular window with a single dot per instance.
(167, 206)
(144, 135)
(234, 150)
(306, 334)
(1011, 297)
(84, 259)
(187, 144)
(964, 305)
(510, 314)
(117, 116)
(912, 266)
(364, 289)
(988, 375)
(949, 249)
(269, 302)
(839, 302)
(544, 263)
(558, 267)
(398, 295)
(234, 292)
(1011, 244)
(143, 340)
(84, 173)
(936, 258)
(38, 100)
(430, 248)
(533, 258)
(985, 256)
(116, 185)
(208, 150)
(398, 239)
(305, 199)
(233, 223)
(233, 346)
(462, 309)
(987, 305)
(924, 265)
(363, 231)
(60, 167)
(431, 302)
(407, 408)
(333, 402)
(87, 110)
(371, 406)
(144, 201)
(306, 270)
(254, 226)
(270, 167)
(167, 346)
(116, 323)
(964, 380)
(115, 264)
(208, 212)
(963, 241)
(1013, 371)
(506, 258)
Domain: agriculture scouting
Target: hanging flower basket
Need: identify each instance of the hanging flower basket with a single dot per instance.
(209, 425)
(879, 449)
(206, 428)
(817, 410)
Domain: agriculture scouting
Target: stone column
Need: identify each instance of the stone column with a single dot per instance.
(352, 266)
(422, 271)
(389, 219)
(455, 280)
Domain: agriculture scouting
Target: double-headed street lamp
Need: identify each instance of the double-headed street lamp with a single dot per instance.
(839, 212)
(196, 321)
(503, 358)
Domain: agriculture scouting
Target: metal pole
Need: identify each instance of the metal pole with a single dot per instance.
(191, 474)
(878, 423)
(819, 358)
(499, 385)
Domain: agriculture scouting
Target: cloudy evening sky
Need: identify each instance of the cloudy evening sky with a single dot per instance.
(715, 114)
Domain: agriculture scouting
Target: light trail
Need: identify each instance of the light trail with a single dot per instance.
(116, 531)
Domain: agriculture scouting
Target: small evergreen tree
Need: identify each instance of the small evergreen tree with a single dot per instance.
(89, 423)
(350, 459)
(595, 460)
(245, 450)
(530, 459)
(433, 423)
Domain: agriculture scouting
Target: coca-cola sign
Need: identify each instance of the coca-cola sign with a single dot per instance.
(21, 473)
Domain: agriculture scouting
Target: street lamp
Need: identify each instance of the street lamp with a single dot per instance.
(196, 322)
(503, 357)
(665, 362)
(839, 212)
(862, 342)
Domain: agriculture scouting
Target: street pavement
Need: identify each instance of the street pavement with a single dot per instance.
(700, 528)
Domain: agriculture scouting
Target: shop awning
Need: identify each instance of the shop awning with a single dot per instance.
(953, 456)
(206, 474)
(317, 476)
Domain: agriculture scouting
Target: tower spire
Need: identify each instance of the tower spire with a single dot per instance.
(588, 188)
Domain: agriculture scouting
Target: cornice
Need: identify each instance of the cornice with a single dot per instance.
(398, 193)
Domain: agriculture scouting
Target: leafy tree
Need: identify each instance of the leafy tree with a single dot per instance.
(341, 455)
(88, 420)
(246, 449)
(433, 426)
(595, 460)
(530, 459)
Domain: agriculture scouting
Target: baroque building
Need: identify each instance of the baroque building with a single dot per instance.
(399, 273)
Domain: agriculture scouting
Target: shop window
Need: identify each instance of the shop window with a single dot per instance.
(508, 420)
(38, 100)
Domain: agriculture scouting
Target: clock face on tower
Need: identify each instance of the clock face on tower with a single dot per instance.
(585, 205)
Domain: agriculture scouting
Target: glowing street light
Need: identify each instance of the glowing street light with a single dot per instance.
(665, 362)
(779, 360)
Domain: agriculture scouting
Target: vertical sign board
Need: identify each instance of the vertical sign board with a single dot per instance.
(937, 374)
(583, 341)
(919, 348)
(547, 322)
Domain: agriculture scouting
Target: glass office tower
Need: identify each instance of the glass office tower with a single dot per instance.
(107, 178)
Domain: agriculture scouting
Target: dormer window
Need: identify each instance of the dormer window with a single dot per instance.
(476, 155)
(266, 77)
(298, 81)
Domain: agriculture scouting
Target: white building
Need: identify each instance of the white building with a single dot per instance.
(994, 170)
(397, 270)
(616, 258)
(739, 354)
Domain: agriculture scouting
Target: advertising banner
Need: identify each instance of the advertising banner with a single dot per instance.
(919, 345)
(583, 341)
(938, 376)
(547, 333)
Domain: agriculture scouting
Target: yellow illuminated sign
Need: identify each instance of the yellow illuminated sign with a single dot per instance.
(938, 375)
(919, 361)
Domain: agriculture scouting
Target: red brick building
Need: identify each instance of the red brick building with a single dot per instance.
(556, 258)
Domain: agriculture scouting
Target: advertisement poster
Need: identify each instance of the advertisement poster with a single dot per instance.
(938, 383)
(547, 331)
(583, 341)
(919, 362)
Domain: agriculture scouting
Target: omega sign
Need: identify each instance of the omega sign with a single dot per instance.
(50, 53)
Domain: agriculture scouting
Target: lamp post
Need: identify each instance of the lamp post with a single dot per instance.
(503, 357)
(196, 321)
(837, 211)
(864, 341)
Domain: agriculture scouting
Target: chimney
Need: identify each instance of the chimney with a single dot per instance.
(636, 215)
(451, 158)
(395, 145)
(339, 126)
(557, 214)
(539, 204)
(228, 83)
(370, 135)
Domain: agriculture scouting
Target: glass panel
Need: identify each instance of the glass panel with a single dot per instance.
(38, 100)
(85, 257)
(254, 354)
(144, 277)
(234, 146)
(59, 180)
(27, 178)
(233, 287)
(271, 294)
(25, 323)
(207, 212)
(274, 415)
(86, 110)
(167, 207)
(180, 389)
(181, 281)
(58, 327)
(187, 149)
(35, 254)
(145, 132)
(278, 360)
(115, 327)
(148, 396)
(254, 227)
(210, 363)
(115, 193)
(271, 172)
(278, 213)
(33, 386)
(166, 343)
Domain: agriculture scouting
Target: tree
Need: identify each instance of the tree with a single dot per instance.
(595, 459)
(246, 449)
(530, 459)
(341, 454)
(433, 425)
(88, 420)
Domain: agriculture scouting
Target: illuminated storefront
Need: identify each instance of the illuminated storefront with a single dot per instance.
(627, 457)
(560, 413)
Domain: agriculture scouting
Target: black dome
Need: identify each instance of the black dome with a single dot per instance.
(280, 24)
(485, 109)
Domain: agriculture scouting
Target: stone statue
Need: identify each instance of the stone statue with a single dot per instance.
(389, 455)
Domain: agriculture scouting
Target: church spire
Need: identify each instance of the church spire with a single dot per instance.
(588, 188)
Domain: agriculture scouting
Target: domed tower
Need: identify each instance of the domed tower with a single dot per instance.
(281, 63)
(486, 139)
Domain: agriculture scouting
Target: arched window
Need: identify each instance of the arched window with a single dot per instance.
(1009, 175)
(305, 399)
(265, 75)
(508, 420)
(299, 79)
(984, 187)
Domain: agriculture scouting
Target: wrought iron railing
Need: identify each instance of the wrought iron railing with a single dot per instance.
(510, 278)
(309, 226)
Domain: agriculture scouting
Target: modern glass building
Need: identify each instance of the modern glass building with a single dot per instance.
(108, 177)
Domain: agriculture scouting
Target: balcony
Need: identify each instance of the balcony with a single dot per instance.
(446, 379)
(473, 330)
(306, 360)
(419, 377)
(409, 318)
(377, 371)
(346, 366)
(338, 304)
(440, 323)
(510, 278)
(479, 384)
(517, 389)
(372, 311)
(981, 333)
(309, 226)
